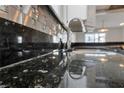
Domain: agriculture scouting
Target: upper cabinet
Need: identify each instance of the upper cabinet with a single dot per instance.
(84, 12)
(77, 11)
(61, 12)
(91, 18)
(57, 9)
(69, 12)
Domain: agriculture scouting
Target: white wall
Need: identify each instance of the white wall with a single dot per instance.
(112, 21)
(115, 35)
(73, 37)
(78, 37)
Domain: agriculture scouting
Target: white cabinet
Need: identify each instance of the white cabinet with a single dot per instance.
(77, 11)
(68, 12)
(91, 18)
(56, 9)
(61, 12)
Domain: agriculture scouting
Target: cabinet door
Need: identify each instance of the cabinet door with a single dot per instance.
(91, 18)
(77, 11)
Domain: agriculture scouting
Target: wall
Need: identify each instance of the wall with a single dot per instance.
(112, 20)
(36, 17)
(115, 35)
(78, 37)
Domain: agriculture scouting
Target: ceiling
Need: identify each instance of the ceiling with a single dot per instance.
(100, 8)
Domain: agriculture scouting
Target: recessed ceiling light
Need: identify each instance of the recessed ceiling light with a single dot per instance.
(121, 24)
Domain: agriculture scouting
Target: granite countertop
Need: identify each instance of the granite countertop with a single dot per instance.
(41, 71)
(10, 57)
(77, 69)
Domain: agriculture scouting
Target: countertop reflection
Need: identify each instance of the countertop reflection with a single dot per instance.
(78, 69)
(102, 69)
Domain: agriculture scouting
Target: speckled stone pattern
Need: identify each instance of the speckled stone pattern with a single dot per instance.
(41, 72)
(86, 68)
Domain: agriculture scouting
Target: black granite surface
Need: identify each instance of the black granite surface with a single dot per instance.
(46, 71)
(76, 44)
(78, 69)
(18, 42)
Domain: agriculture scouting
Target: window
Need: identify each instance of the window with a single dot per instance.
(19, 39)
(55, 39)
(89, 38)
(102, 37)
(94, 37)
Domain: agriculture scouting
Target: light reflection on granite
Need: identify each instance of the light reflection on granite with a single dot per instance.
(103, 70)
(78, 69)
